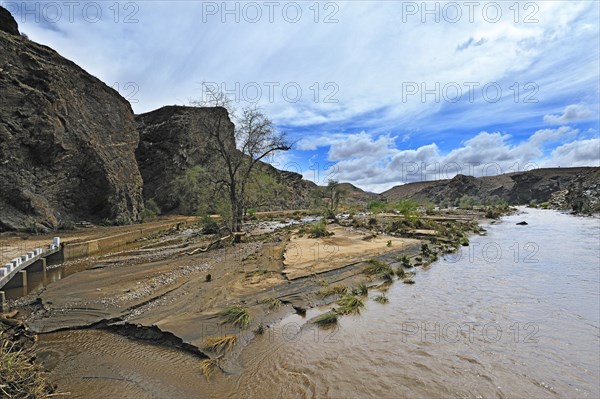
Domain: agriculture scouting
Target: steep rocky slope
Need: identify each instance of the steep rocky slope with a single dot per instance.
(67, 141)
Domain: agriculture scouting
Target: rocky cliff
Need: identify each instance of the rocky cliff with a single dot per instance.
(67, 141)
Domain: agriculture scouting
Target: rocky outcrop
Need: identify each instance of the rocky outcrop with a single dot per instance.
(173, 144)
(8, 23)
(67, 142)
(583, 194)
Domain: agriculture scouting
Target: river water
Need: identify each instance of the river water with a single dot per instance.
(515, 314)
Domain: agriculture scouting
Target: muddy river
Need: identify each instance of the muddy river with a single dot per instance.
(515, 314)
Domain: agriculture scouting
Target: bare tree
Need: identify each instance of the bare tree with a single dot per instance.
(235, 157)
(333, 195)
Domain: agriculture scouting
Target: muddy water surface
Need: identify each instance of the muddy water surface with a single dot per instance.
(516, 314)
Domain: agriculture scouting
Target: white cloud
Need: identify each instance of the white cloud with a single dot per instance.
(481, 155)
(572, 113)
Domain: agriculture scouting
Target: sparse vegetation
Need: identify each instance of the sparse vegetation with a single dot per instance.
(326, 319)
(409, 281)
(382, 298)
(220, 344)
(237, 315)
(349, 304)
(400, 273)
(389, 243)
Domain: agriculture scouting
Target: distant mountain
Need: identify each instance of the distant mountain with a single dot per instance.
(578, 185)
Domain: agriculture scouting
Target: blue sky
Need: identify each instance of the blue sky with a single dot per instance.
(376, 93)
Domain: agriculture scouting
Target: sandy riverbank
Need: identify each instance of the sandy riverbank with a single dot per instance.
(158, 290)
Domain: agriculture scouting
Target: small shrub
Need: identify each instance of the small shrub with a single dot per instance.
(326, 319)
(425, 251)
(237, 315)
(209, 225)
(389, 243)
(400, 273)
(319, 229)
(405, 260)
(409, 281)
(381, 299)
(260, 330)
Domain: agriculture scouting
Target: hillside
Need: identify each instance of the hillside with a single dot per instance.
(579, 185)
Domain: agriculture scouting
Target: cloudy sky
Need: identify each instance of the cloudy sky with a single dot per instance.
(376, 93)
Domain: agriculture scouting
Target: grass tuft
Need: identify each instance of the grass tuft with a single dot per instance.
(381, 299)
(362, 289)
(377, 267)
(274, 303)
(409, 281)
(326, 319)
(208, 367)
(349, 304)
(337, 289)
(237, 315)
(20, 377)
(220, 344)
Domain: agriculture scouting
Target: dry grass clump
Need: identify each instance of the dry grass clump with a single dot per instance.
(208, 367)
(237, 315)
(220, 344)
(20, 377)
(337, 289)
(381, 299)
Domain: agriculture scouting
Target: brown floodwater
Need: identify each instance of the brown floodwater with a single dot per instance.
(515, 314)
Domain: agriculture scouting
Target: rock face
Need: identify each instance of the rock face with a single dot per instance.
(172, 142)
(67, 142)
(8, 23)
(583, 194)
(539, 185)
